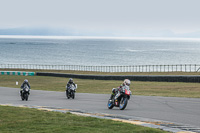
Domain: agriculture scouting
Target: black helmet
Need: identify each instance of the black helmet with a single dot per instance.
(70, 80)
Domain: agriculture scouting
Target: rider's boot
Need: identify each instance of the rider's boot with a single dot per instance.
(112, 97)
(116, 97)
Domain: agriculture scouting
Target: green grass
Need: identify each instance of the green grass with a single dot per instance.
(15, 120)
(168, 89)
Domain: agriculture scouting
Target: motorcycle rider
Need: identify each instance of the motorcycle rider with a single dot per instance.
(70, 82)
(23, 85)
(117, 91)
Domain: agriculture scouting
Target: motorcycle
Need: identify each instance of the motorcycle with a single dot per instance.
(25, 93)
(70, 91)
(122, 100)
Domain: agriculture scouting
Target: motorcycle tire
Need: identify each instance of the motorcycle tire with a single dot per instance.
(26, 97)
(73, 95)
(67, 94)
(110, 104)
(22, 97)
(123, 103)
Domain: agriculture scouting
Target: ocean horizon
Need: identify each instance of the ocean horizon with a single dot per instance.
(97, 37)
(98, 51)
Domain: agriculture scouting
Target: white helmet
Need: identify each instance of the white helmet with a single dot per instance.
(127, 82)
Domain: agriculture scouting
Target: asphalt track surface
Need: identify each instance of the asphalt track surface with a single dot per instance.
(171, 109)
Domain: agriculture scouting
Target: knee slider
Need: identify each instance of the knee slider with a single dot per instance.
(113, 90)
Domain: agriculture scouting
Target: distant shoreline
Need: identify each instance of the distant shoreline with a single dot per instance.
(95, 37)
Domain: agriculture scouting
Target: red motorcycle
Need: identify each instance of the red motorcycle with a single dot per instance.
(122, 100)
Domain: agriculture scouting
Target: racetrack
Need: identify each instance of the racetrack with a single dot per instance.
(185, 111)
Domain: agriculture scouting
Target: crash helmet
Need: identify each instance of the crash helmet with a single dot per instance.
(70, 80)
(26, 81)
(127, 82)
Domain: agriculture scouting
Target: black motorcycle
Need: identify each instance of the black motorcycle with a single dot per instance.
(25, 93)
(70, 91)
(122, 100)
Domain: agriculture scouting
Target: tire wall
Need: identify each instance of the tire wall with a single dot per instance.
(156, 78)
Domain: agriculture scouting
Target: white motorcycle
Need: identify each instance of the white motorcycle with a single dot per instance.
(70, 91)
(25, 93)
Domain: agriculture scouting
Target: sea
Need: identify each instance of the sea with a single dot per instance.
(98, 51)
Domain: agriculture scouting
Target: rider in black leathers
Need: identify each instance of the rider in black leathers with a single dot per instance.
(70, 82)
(116, 92)
(23, 85)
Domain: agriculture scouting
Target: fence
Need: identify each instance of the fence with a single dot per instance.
(134, 68)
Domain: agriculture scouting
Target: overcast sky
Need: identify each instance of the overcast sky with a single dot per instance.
(119, 17)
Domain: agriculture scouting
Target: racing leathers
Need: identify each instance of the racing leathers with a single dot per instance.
(23, 85)
(116, 92)
(69, 84)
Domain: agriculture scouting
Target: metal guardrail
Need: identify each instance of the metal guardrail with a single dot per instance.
(132, 68)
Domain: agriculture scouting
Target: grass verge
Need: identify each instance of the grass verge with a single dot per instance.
(15, 120)
(168, 89)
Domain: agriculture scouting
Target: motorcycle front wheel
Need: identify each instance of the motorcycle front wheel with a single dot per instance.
(123, 103)
(67, 94)
(26, 96)
(73, 94)
(22, 97)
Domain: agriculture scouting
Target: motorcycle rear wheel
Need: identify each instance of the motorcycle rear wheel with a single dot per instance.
(110, 104)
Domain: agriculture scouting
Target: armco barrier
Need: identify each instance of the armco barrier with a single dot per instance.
(129, 68)
(157, 78)
(17, 73)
